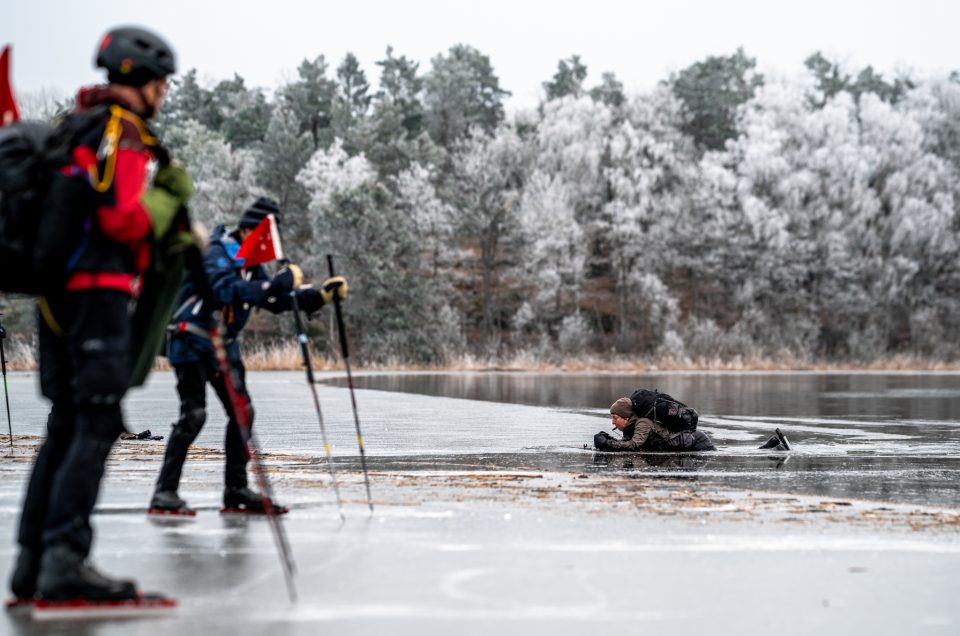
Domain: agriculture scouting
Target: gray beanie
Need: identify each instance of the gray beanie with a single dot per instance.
(622, 407)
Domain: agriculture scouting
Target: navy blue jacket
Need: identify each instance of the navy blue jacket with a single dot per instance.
(237, 291)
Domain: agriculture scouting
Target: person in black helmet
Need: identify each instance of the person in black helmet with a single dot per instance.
(238, 290)
(84, 323)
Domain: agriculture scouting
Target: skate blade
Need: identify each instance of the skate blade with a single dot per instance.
(783, 439)
(144, 606)
(163, 512)
(18, 606)
(277, 510)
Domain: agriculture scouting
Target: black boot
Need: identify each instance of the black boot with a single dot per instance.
(245, 500)
(168, 502)
(23, 583)
(772, 444)
(65, 575)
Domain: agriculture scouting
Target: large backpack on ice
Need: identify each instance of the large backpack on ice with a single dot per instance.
(665, 410)
(41, 226)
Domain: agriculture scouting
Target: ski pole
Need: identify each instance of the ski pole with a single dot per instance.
(353, 398)
(6, 394)
(308, 368)
(241, 411)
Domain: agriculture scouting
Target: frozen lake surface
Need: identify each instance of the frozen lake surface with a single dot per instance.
(892, 437)
(490, 515)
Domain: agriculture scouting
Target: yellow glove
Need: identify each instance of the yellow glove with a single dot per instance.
(334, 287)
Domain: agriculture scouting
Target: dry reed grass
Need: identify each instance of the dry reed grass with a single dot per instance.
(21, 357)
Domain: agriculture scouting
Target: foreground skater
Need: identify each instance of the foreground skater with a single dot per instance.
(85, 325)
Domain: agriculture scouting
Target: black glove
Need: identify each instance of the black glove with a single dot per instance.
(276, 292)
(600, 440)
(309, 299)
(286, 280)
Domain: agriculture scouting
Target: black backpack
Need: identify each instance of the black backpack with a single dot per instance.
(42, 227)
(663, 409)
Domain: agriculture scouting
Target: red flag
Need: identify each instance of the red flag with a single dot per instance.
(9, 112)
(263, 244)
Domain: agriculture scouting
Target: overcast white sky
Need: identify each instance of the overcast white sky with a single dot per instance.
(642, 42)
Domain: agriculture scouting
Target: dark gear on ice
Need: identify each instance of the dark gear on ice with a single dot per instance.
(778, 442)
(85, 324)
(191, 353)
(646, 434)
(643, 434)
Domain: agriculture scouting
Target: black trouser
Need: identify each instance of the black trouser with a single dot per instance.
(192, 378)
(85, 373)
(693, 441)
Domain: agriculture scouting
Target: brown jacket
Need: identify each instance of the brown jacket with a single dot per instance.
(642, 434)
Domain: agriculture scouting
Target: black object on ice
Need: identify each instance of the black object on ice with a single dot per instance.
(140, 606)
(776, 442)
(142, 435)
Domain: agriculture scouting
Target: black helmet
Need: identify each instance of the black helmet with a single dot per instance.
(135, 56)
(257, 212)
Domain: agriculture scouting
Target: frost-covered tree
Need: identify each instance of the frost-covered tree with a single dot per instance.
(224, 177)
(186, 100)
(551, 253)
(242, 114)
(397, 135)
(44, 104)
(433, 220)
(353, 89)
(375, 240)
(351, 105)
(568, 80)
(311, 99)
(609, 91)
(853, 209)
(487, 177)
(283, 153)
(648, 173)
(462, 92)
(711, 92)
(714, 216)
(832, 79)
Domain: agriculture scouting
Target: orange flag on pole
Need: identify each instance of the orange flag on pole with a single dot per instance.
(263, 244)
(9, 112)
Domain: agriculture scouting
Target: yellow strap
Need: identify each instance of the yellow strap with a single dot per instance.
(111, 143)
(145, 136)
(48, 318)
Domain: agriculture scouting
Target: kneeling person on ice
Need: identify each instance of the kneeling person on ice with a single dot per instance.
(646, 434)
(666, 426)
(191, 353)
